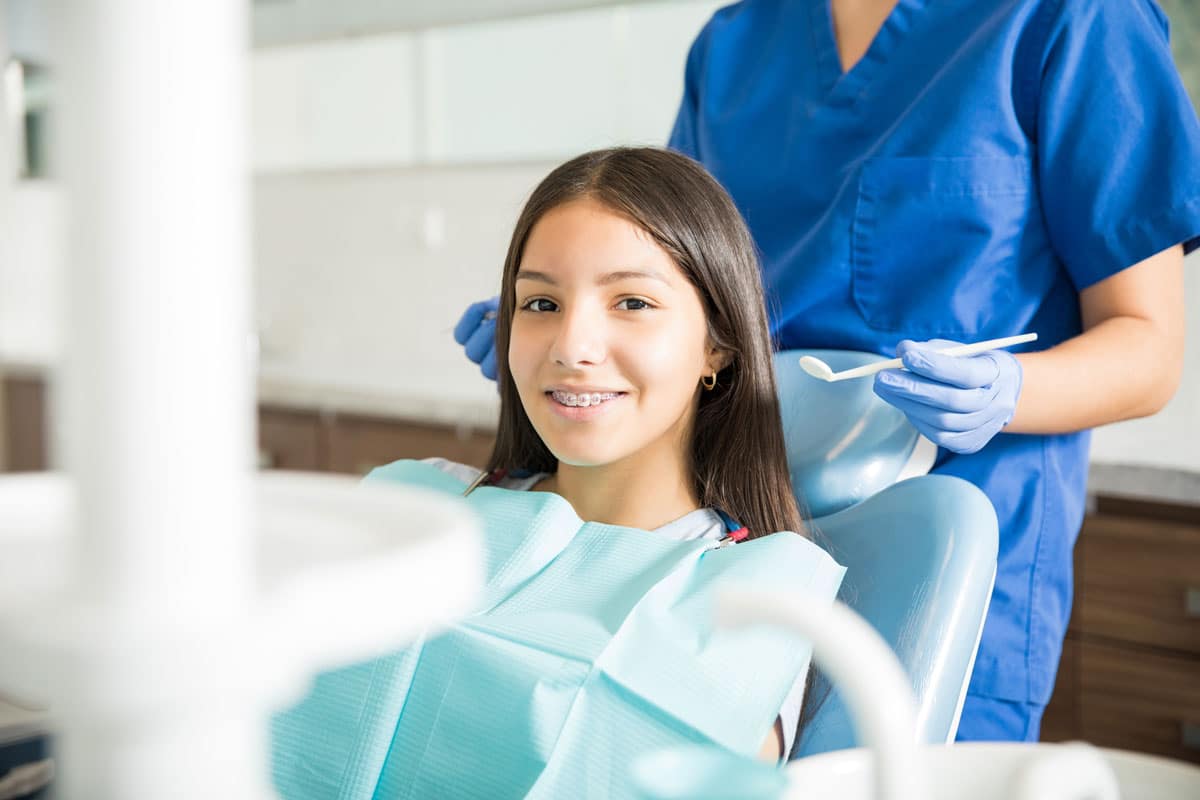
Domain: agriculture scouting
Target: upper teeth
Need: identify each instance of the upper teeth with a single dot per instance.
(585, 399)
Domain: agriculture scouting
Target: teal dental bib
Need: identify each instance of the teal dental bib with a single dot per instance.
(592, 644)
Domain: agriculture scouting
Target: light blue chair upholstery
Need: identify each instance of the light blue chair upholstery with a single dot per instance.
(844, 443)
(920, 553)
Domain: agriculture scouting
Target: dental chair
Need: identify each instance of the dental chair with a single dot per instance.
(919, 550)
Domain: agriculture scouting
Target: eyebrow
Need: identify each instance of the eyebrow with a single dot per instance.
(611, 277)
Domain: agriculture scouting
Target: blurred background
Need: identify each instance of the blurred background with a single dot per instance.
(392, 145)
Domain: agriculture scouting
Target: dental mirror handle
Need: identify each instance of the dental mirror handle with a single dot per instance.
(959, 350)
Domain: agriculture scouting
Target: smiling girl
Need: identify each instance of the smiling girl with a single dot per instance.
(639, 436)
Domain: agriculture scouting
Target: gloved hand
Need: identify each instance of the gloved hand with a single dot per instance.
(957, 402)
(477, 335)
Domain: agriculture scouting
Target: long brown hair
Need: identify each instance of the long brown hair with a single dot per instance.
(738, 460)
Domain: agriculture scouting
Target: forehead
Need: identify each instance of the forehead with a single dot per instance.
(585, 237)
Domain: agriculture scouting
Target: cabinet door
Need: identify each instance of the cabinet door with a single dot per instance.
(290, 440)
(1140, 582)
(1060, 722)
(358, 444)
(1134, 698)
(23, 420)
(541, 87)
(340, 104)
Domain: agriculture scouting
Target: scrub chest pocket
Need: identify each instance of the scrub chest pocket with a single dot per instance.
(936, 245)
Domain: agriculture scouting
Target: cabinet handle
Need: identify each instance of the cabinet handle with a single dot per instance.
(1191, 735)
(1191, 602)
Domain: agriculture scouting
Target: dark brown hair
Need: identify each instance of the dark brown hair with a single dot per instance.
(738, 460)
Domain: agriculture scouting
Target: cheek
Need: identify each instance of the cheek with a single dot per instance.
(667, 364)
(525, 355)
(518, 356)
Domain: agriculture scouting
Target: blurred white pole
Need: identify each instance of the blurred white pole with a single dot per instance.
(157, 402)
(7, 157)
(6, 179)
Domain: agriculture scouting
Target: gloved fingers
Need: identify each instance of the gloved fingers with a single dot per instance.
(962, 442)
(893, 385)
(472, 317)
(969, 442)
(965, 372)
(943, 420)
(482, 341)
(488, 365)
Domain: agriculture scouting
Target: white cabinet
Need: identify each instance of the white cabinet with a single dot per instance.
(536, 88)
(341, 104)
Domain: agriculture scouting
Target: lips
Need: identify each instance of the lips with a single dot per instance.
(583, 399)
(580, 406)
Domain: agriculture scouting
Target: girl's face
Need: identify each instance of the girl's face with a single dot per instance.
(609, 339)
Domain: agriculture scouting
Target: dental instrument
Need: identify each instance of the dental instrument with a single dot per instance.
(819, 369)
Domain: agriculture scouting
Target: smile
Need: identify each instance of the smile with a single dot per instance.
(583, 400)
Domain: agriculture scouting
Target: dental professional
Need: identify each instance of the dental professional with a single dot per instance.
(919, 172)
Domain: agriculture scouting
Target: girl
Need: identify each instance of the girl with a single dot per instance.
(638, 421)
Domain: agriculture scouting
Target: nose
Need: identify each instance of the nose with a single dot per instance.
(580, 338)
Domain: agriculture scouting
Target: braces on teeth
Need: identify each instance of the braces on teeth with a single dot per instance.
(583, 400)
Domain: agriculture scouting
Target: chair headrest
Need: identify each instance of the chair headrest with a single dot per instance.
(844, 444)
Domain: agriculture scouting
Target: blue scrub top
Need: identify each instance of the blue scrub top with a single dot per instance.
(981, 165)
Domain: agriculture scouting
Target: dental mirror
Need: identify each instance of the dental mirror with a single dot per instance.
(819, 369)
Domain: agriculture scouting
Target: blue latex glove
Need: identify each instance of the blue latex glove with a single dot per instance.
(957, 402)
(477, 335)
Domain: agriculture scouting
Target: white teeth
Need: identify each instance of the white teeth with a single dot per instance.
(583, 400)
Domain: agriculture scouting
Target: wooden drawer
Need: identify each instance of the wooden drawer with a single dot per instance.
(23, 420)
(1140, 582)
(358, 444)
(290, 440)
(1136, 699)
(1061, 722)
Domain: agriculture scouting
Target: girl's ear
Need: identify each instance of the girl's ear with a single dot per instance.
(719, 359)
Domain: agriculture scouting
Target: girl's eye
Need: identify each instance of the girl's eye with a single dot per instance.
(638, 304)
(538, 304)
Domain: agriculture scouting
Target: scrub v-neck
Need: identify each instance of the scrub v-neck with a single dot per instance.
(849, 85)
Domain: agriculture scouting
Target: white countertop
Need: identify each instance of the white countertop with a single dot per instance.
(283, 388)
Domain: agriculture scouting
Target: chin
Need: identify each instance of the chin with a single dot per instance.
(581, 454)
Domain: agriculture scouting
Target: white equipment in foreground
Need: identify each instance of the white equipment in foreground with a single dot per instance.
(139, 597)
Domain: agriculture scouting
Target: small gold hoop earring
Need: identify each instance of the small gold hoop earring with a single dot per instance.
(709, 382)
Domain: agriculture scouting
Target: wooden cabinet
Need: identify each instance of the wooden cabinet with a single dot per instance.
(1130, 672)
(24, 446)
(288, 438)
(1135, 584)
(356, 444)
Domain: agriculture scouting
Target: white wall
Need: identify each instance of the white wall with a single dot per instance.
(30, 267)
(362, 276)
(1171, 437)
